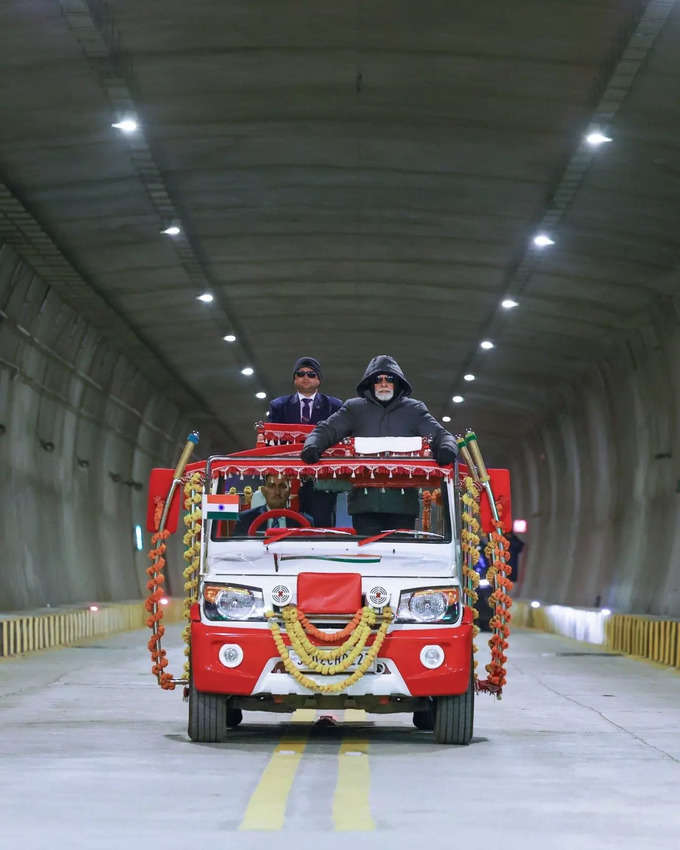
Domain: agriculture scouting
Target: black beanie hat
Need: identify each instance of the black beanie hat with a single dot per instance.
(312, 362)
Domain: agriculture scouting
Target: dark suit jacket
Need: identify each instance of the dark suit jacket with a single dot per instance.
(246, 517)
(286, 408)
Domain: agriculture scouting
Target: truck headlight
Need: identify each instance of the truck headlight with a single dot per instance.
(429, 605)
(233, 602)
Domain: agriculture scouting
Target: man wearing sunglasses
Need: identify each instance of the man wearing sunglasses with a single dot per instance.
(308, 406)
(383, 408)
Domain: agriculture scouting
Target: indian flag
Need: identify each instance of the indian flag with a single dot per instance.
(221, 506)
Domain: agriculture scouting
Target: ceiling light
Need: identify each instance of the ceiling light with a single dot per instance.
(260, 395)
(206, 298)
(542, 240)
(509, 303)
(173, 230)
(127, 125)
(606, 612)
(248, 370)
(458, 399)
(469, 377)
(486, 344)
(229, 338)
(446, 418)
(535, 603)
(596, 139)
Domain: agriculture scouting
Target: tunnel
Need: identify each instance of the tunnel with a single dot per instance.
(197, 200)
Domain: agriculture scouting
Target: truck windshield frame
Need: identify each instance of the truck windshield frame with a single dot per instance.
(402, 490)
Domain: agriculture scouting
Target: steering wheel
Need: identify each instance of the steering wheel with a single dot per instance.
(301, 519)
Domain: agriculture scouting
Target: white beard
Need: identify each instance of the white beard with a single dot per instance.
(384, 395)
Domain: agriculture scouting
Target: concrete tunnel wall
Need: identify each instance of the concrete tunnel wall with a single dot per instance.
(599, 482)
(80, 428)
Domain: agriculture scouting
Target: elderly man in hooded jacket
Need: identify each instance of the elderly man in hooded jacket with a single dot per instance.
(383, 408)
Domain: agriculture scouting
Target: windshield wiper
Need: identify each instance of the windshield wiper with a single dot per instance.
(273, 535)
(389, 531)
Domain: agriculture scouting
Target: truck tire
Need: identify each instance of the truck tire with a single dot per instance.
(207, 717)
(454, 715)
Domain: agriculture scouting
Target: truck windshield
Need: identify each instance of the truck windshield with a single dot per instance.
(345, 507)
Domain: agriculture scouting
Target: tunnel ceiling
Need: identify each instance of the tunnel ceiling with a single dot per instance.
(350, 179)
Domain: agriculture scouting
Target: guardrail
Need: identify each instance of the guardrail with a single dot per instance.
(24, 631)
(642, 636)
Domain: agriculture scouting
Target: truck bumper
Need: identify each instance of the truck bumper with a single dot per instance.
(399, 672)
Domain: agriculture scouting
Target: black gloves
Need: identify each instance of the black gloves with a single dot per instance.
(310, 454)
(446, 455)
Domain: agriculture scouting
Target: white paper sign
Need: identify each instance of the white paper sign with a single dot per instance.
(398, 445)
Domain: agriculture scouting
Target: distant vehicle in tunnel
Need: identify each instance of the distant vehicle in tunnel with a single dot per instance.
(288, 615)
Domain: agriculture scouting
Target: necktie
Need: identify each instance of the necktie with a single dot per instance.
(276, 523)
(306, 402)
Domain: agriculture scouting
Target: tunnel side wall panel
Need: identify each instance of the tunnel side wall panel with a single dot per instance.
(599, 483)
(80, 428)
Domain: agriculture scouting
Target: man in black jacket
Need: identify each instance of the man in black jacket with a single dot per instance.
(383, 408)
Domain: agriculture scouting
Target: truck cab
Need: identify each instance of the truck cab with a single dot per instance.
(290, 614)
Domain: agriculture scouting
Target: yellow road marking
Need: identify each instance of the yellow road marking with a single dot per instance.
(354, 715)
(266, 808)
(351, 805)
(304, 715)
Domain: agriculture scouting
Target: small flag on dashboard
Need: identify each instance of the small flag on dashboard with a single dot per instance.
(221, 506)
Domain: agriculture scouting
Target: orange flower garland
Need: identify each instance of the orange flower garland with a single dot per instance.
(497, 573)
(427, 510)
(193, 491)
(330, 637)
(156, 593)
(332, 687)
(469, 544)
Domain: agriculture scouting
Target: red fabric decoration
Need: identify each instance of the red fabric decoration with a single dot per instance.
(329, 593)
(159, 486)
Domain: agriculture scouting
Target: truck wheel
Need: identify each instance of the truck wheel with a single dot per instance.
(454, 716)
(234, 717)
(207, 716)
(424, 719)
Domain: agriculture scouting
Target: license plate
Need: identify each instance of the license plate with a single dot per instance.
(299, 663)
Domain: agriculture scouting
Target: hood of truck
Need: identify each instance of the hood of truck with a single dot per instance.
(293, 557)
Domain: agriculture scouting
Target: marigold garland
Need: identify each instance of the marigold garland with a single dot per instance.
(330, 637)
(363, 628)
(193, 497)
(152, 604)
(427, 510)
(156, 584)
(469, 545)
(292, 619)
(498, 553)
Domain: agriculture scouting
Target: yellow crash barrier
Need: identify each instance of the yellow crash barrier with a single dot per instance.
(642, 636)
(24, 632)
